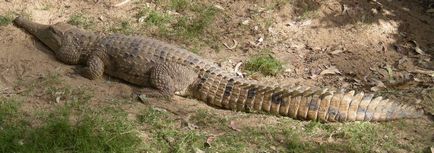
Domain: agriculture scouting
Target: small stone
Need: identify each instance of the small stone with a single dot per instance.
(261, 39)
(316, 48)
(256, 28)
(374, 11)
(219, 7)
(288, 70)
(58, 99)
(197, 150)
(21, 142)
(336, 52)
(169, 139)
(143, 98)
(245, 22)
(101, 18)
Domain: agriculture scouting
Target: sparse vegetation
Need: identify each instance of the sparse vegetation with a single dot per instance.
(265, 64)
(67, 128)
(124, 27)
(307, 10)
(192, 28)
(179, 5)
(166, 136)
(188, 27)
(6, 19)
(80, 20)
(203, 118)
(157, 19)
(278, 4)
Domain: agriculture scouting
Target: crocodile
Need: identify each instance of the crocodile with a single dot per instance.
(172, 70)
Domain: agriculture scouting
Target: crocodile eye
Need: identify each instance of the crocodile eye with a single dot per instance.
(51, 28)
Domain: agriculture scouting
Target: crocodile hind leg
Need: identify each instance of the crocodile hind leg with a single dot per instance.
(94, 68)
(171, 78)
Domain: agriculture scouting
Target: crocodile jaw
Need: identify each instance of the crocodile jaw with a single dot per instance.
(45, 33)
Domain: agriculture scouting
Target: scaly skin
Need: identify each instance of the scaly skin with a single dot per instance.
(169, 69)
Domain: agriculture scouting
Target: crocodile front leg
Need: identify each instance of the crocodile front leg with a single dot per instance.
(94, 68)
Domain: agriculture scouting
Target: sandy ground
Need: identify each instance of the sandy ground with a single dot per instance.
(366, 46)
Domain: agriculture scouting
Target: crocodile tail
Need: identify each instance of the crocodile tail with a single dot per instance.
(230, 92)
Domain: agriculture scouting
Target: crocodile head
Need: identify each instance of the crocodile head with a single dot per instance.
(50, 35)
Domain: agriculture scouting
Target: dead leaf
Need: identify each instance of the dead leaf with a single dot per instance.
(211, 138)
(143, 98)
(233, 46)
(219, 7)
(233, 126)
(427, 72)
(101, 18)
(160, 109)
(58, 99)
(121, 3)
(188, 124)
(237, 69)
(379, 85)
(245, 22)
(430, 11)
(330, 70)
(336, 52)
(402, 60)
(197, 150)
(417, 48)
(259, 41)
(169, 139)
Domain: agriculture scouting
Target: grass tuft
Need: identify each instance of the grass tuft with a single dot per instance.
(81, 21)
(203, 118)
(192, 28)
(265, 64)
(6, 19)
(179, 5)
(124, 27)
(157, 19)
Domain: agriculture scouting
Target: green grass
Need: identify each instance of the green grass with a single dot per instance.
(265, 64)
(192, 28)
(66, 129)
(157, 19)
(175, 5)
(179, 5)
(203, 119)
(6, 19)
(272, 138)
(124, 27)
(165, 134)
(69, 126)
(81, 20)
(189, 27)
